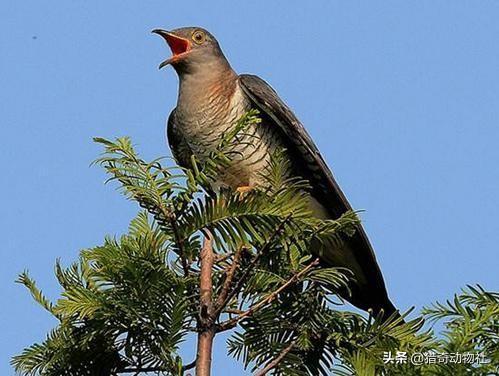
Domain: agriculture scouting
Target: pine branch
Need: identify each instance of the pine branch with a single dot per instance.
(36, 293)
(229, 324)
(247, 272)
(127, 305)
(180, 244)
(223, 297)
(274, 363)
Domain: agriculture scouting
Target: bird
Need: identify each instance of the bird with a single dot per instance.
(212, 97)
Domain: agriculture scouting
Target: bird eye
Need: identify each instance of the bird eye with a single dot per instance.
(199, 37)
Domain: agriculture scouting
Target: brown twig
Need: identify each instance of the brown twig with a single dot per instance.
(189, 366)
(247, 271)
(234, 311)
(277, 360)
(206, 325)
(223, 257)
(222, 298)
(180, 244)
(233, 322)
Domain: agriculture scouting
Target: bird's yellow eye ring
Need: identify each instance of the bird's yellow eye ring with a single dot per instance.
(199, 37)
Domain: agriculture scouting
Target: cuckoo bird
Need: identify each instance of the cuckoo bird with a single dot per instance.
(211, 98)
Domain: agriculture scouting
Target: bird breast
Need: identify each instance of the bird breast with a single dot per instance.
(215, 112)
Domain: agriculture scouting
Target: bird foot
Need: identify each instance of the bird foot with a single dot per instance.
(243, 189)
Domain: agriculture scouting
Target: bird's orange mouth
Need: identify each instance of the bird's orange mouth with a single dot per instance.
(179, 46)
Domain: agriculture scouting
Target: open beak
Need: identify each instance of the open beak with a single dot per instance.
(179, 46)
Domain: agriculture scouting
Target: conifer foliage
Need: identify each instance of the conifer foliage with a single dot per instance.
(197, 262)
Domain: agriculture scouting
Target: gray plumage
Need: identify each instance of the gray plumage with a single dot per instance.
(212, 97)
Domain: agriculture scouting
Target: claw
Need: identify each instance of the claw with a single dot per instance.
(243, 189)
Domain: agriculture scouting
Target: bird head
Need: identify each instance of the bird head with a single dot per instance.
(193, 48)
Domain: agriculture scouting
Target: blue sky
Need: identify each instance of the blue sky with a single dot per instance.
(401, 97)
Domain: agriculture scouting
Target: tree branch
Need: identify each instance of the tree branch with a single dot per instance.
(229, 324)
(222, 298)
(277, 360)
(242, 280)
(223, 257)
(180, 244)
(205, 321)
(189, 366)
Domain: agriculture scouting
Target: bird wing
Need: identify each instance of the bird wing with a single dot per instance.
(324, 186)
(267, 100)
(178, 145)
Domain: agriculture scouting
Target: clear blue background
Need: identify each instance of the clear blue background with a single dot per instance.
(402, 97)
